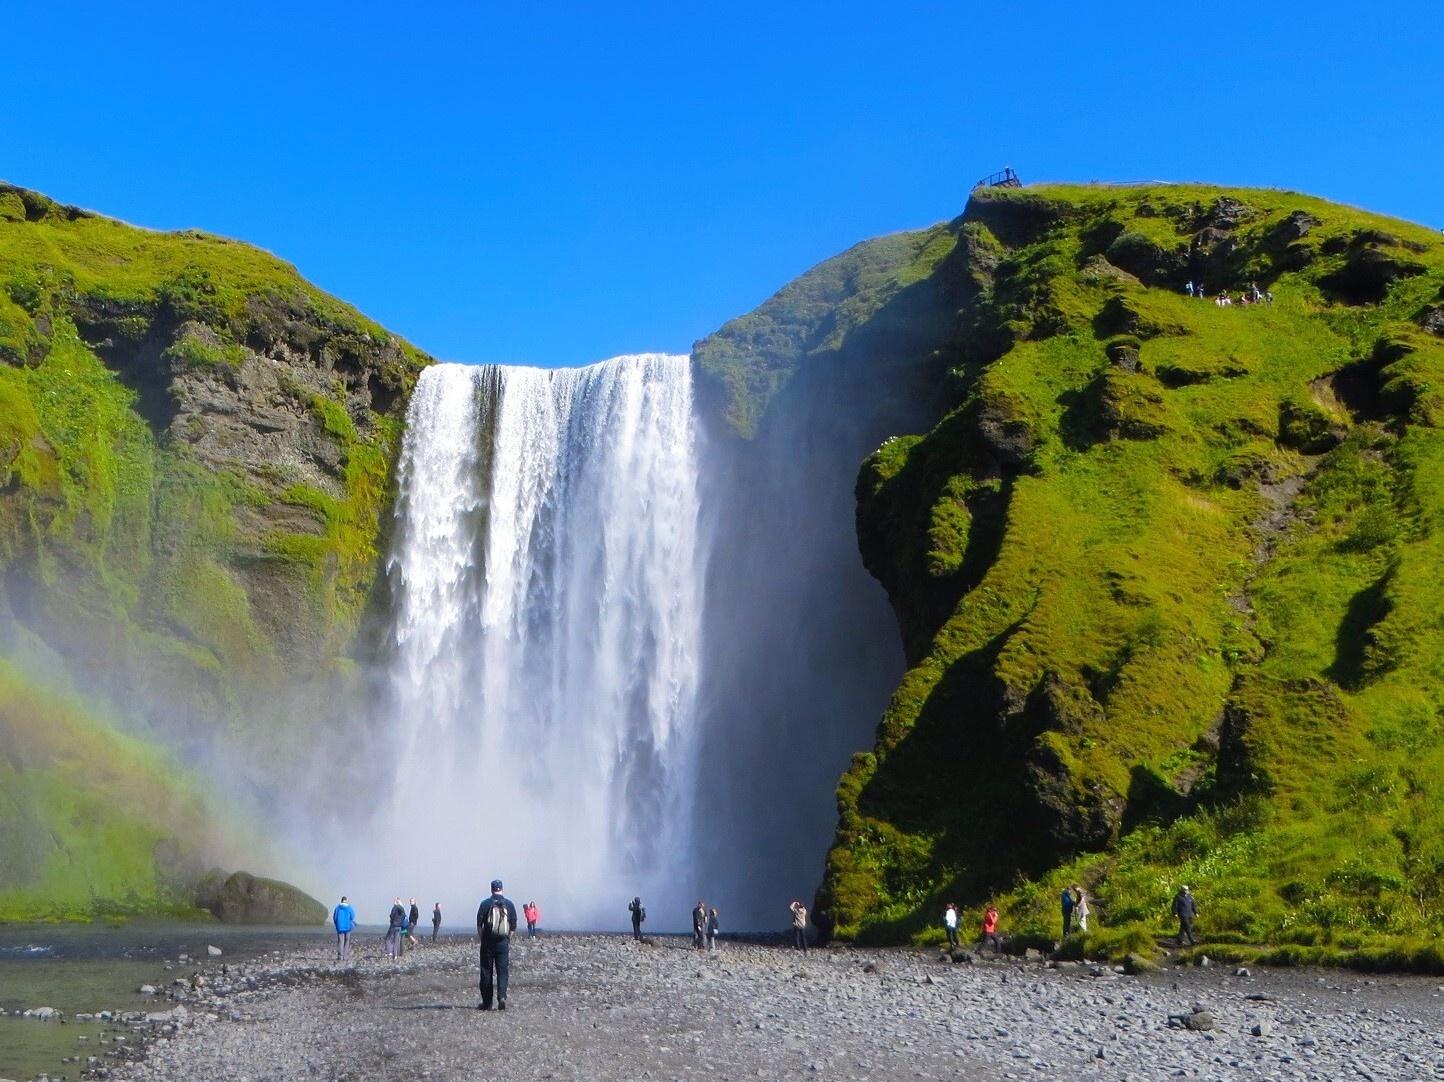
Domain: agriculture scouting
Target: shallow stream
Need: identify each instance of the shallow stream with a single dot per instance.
(85, 969)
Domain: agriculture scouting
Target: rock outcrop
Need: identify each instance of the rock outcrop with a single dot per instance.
(1161, 572)
(196, 451)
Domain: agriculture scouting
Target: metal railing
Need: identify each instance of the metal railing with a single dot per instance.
(1004, 179)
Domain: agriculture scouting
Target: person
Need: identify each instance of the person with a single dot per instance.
(394, 925)
(990, 930)
(532, 915)
(495, 921)
(435, 922)
(950, 922)
(413, 918)
(699, 925)
(799, 926)
(1185, 909)
(1066, 902)
(639, 914)
(1080, 908)
(1188, 288)
(344, 918)
(712, 928)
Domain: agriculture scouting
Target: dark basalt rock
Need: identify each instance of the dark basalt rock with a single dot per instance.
(247, 899)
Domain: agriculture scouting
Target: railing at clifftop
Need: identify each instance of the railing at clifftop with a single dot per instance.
(1005, 179)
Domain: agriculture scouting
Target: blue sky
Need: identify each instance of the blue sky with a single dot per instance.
(552, 184)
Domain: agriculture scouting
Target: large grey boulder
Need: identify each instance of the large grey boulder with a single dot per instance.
(248, 899)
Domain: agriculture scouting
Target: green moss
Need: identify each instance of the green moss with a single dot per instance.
(1196, 638)
(197, 581)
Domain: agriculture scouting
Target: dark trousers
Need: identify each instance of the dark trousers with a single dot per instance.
(799, 939)
(952, 937)
(531, 928)
(1067, 922)
(495, 954)
(435, 930)
(991, 939)
(1185, 930)
(636, 929)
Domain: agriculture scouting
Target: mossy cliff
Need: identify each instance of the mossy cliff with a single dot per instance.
(196, 450)
(1166, 575)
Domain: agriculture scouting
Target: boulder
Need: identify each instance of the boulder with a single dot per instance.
(1293, 228)
(247, 899)
(1136, 964)
(1199, 1021)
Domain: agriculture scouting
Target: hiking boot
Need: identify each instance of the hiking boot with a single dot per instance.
(483, 1006)
(501, 1006)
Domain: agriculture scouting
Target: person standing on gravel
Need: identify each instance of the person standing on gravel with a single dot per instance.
(435, 922)
(950, 922)
(990, 931)
(495, 921)
(395, 923)
(413, 918)
(344, 918)
(1185, 909)
(799, 926)
(639, 914)
(532, 915)
(713, 927)
(699, 925)
(1066, 902)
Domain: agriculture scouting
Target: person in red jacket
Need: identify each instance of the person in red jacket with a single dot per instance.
(532, 915)
(990, 930)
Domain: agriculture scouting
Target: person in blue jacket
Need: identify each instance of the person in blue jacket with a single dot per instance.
(344, 918)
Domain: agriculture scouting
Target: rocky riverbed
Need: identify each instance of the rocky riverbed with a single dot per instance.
(604, 1007)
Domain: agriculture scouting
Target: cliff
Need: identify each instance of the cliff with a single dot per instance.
(1166, 577)
(195, 459)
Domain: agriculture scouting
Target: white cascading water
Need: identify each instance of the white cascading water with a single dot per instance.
(546, 577)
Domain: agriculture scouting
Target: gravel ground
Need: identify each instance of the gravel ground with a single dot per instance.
(603, 1007)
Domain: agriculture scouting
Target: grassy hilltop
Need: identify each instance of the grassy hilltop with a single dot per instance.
(196, 450)
(1168, 579)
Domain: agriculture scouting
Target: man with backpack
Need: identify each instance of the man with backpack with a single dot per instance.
(495, 921)
(1066, 902)
(639, 914)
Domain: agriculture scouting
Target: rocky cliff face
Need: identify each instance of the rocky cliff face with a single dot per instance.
(195, 461)
(1162, 575)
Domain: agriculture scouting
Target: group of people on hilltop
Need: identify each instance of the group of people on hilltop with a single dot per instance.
(1252, 295)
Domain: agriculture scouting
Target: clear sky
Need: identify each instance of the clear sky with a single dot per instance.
(555, 183)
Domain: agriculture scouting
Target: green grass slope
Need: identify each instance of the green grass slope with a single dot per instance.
(1167, 575)
(196, 451)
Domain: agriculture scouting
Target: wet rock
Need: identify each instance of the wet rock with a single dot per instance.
(247, 899)
(1262, 1028)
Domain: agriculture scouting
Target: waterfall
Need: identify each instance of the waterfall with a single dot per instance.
(546, 579)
